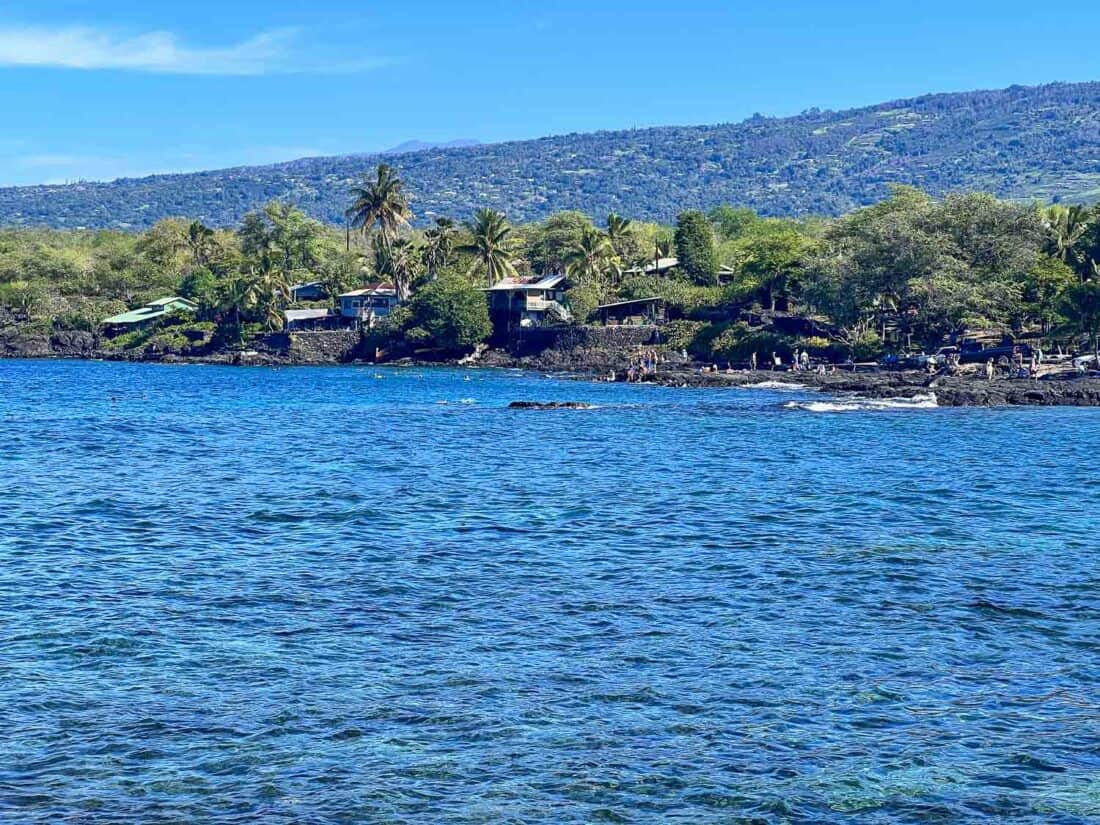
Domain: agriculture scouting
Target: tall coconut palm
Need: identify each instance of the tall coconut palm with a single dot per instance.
(200, 240)
(593, 258)
(397, 262)
(439, 245)
(380, 201)
(490, 246)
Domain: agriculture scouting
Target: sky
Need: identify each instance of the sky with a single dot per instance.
(123, 88)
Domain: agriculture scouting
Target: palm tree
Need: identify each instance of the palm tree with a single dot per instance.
(592, 259)
(380, 201)
(237, 295)
(439, 245)
(490, 245)
(396, 261)
(1066, 225)
(200, 240)
(661, 249)
(618, 229)
(270, 292)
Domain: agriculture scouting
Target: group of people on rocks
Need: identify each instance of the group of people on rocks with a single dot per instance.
(1015, 367)
(644, 367)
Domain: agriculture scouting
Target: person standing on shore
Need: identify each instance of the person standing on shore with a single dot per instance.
(777, 362)
(989, 370)
(752, 362)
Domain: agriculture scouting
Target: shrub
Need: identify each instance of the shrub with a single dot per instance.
(680, 335)
(450, 314)
(583, 301)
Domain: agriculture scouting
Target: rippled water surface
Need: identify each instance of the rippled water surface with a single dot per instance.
(367, 595)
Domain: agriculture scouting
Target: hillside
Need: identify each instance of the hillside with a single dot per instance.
(1036, 142)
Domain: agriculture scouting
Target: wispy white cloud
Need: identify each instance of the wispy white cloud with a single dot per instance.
(79, 47)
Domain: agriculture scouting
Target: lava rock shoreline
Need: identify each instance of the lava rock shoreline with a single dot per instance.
(950, 391)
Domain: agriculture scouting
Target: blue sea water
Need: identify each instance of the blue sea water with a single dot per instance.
(378, 595)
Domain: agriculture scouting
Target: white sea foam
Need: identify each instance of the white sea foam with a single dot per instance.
(780, 386)
(917, 402)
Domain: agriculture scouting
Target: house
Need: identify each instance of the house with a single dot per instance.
(312, 291)
(668, 266)
(298, 320)
(137, 318)
(365, 306)
(661, 266)
(639, 312)
(528, 302)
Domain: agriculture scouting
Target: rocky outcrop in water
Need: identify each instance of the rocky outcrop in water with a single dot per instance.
(549, 405)
(950, 391)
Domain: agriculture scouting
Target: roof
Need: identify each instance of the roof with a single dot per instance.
(175, 299)
(660, 265)
(313, 284)
(628, 303)
(306, 314)
(155, 309)
(524, 284)
(371, 289)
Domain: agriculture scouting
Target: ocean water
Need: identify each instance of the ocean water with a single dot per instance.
(378, 595)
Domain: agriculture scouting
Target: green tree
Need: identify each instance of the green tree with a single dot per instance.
(770, 262)
(340, 271)
(695, 247)
(396, 262)
(439, 246)
(201, 285)
(1045, 285)
(236, 298)
(624, 240)
(296, 242)
(1067, 227)
(732, 222)
(552, 240)
(201, 243)
(450, 314)
(380, 201)
(254, 235)
(490, 246)
(593, 260)
(269, 292)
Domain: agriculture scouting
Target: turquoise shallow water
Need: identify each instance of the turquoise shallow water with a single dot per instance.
(368, 595)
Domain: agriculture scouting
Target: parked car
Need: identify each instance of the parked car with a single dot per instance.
(1085, 361)
(974, 353)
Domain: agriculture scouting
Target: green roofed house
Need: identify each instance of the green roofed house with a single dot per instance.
(136, 318)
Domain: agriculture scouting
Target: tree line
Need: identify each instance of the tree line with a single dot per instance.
(922, 268)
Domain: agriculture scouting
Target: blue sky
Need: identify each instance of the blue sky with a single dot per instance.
(133, 88)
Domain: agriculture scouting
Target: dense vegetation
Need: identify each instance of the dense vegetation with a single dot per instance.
(1021, 143)
(909, 271)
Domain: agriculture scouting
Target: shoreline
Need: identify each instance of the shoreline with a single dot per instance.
(948, 391)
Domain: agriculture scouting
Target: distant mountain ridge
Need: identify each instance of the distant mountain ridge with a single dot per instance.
(1022, 142)
(422, 145)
